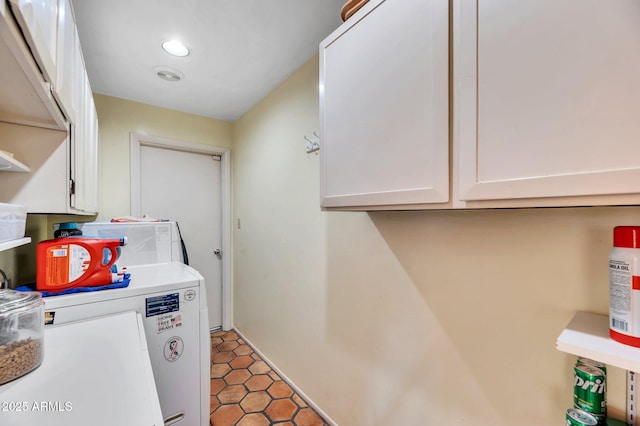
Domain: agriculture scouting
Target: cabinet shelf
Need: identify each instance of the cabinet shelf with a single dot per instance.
(587, 335)
(10, 164)
(6, 245)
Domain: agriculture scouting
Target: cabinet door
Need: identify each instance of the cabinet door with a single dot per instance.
(25, 96)
(547, 96)
(384, 106)
(89, 186)
(78, 132)
(84, 152)
(39, 22)
(68, 54)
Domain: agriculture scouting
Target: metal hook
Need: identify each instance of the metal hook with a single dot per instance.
(312, 145)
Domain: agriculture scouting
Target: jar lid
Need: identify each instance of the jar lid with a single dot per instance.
(11, 300)
(68, 225)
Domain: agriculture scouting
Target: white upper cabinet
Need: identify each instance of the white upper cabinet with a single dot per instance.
(84, 158)
(67, 59)
(90, 191)
(544, 112)
(547, 97)
(38, 20)
(48, 118)
(25, 93)
(384, 107)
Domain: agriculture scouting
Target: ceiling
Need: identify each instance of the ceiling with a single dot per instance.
(240, 49)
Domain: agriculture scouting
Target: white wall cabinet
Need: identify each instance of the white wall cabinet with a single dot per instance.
(547, 96)
(69, 59)
(85, 154)
(384, 106)
(38, 20)
(544, 105)
(58, 142)
(25, 94)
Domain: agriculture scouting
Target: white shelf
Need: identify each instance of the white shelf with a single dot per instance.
(6, 245)
(10, 164)
(587, 335)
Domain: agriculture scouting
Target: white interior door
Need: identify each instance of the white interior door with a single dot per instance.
(186, 187)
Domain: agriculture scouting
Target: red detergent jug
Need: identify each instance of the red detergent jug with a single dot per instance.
(64, 263)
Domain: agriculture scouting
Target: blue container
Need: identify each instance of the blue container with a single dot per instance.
(67, 229)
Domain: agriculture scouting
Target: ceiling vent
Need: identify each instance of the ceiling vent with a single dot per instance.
(168, 74)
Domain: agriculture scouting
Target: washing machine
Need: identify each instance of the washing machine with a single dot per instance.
(171, 300)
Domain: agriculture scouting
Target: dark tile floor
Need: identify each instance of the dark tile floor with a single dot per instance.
(245, 391)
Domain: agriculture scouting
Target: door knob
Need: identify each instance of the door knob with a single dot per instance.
(218, 253)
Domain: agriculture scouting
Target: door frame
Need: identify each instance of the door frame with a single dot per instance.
(138, 140)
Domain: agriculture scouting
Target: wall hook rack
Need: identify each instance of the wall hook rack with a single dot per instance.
(312, 145)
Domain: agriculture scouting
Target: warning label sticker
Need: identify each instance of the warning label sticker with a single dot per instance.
(169, 322)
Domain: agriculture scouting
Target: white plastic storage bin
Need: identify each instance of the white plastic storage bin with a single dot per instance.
(13, 218)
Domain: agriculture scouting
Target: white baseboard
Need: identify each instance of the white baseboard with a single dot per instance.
(289, 382)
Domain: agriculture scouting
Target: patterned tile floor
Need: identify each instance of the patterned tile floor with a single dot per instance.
(245, 391)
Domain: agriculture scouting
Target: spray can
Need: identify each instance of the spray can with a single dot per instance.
(69, 262)
(624, 286)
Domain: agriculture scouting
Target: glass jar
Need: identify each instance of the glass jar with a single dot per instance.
(21, 333)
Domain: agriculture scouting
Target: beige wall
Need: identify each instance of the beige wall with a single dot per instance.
(399, 318)
(117, 118)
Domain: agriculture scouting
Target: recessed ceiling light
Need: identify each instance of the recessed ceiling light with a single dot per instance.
(176, 48)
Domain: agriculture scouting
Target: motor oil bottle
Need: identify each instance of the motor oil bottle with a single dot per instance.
(624, 286)
(69, 262)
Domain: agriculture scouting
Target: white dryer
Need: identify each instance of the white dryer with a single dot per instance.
(147, 242)
(171, 299)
